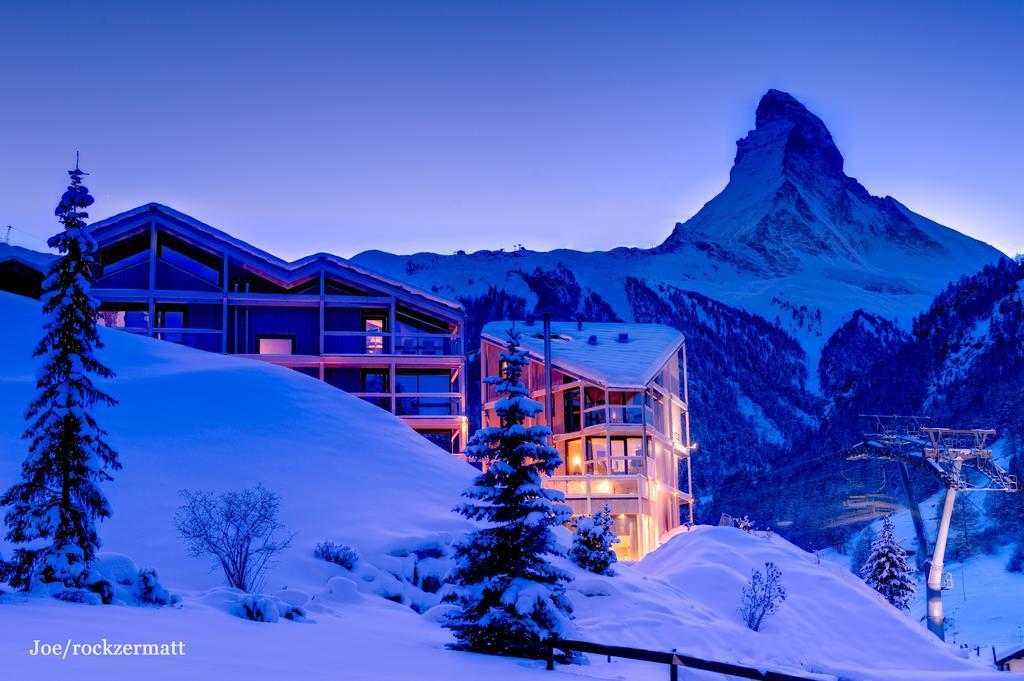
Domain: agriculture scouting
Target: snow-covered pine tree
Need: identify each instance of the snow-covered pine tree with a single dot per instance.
(54, 507)
(512, 597)
(592, 544)
(887, 570)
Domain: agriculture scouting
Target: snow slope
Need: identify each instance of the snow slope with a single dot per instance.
(349, 472)
(189, 419)
(985, 603)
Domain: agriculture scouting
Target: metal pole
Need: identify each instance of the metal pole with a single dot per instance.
(548, 399)
(689, 445)
(915, 514)
(935, 619)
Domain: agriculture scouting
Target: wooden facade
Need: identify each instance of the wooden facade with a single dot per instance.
(164, 274)
(624, 441)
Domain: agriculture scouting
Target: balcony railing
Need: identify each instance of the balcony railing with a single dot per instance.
(200, 339)
(616, 414)
(595, 486)
(416, 405)
(427, 406)
(383, 343)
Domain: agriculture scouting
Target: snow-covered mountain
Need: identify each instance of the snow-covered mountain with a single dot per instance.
(791, 237)
(758, 280)
(790, 210)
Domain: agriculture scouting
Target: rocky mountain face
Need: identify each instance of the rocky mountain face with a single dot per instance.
(790, 208)
(771, 267)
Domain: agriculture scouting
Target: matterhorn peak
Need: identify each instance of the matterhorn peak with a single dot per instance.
(789, 206)
(791, 138)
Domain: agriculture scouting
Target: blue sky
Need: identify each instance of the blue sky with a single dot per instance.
(307, 126)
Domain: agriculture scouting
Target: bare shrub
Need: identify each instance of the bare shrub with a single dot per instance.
(239, 529)
(762, 595)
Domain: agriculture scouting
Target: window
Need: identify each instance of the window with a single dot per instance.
(573, 458)
(445, 439)
(597, 455)
(423, 381)
(571, 409)
(627, 455)
(374, 336)
(374, 380)
(275, 345)
(188, 258)
(171, 319)
(626, 529)
(121, 316)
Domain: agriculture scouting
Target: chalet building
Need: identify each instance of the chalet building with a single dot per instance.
(165, 274)
(620, 419)
(1011, 661)
(22, 270)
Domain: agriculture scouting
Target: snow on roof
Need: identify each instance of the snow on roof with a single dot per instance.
(609, 362)
(1016, 653)
(269, 258)
(35, 259)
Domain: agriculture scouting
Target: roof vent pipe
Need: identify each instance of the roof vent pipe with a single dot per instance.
(623, 337)
(592, 340)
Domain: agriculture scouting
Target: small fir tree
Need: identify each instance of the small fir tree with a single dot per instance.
(887, 570)
(512, 597)
(57, 502)
(592, 544)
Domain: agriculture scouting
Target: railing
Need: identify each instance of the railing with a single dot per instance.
(674, 660)
(415, 405)
(427, 406)
(597, 486)
(201, 339)
(383, 343)
(616, 414)
(427, 344)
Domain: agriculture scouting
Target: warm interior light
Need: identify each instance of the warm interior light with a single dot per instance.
(604, 487)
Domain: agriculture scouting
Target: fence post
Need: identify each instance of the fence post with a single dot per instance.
(551, 655)
(673, 673)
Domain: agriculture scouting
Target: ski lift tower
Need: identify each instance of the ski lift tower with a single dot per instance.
(960, 458)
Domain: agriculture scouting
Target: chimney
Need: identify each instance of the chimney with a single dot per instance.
(623, 337)
(592, 340)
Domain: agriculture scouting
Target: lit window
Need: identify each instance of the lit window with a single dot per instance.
(275, 346)
(374, 336)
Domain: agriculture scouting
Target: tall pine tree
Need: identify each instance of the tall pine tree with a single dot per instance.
(513, 598)
(887, 570)
(52, 511)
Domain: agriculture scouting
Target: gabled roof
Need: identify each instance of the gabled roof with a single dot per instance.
(608, 362)
(1014, 654)
(285, 271)
(37, 260)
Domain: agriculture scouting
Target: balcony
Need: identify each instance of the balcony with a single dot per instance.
(200, 339)
(598, 486)
(415, 405)
(616, 415)
(427, 406)
(384, 343)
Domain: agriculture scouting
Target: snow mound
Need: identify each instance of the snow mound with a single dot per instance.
(686, 595)
(345, 470)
